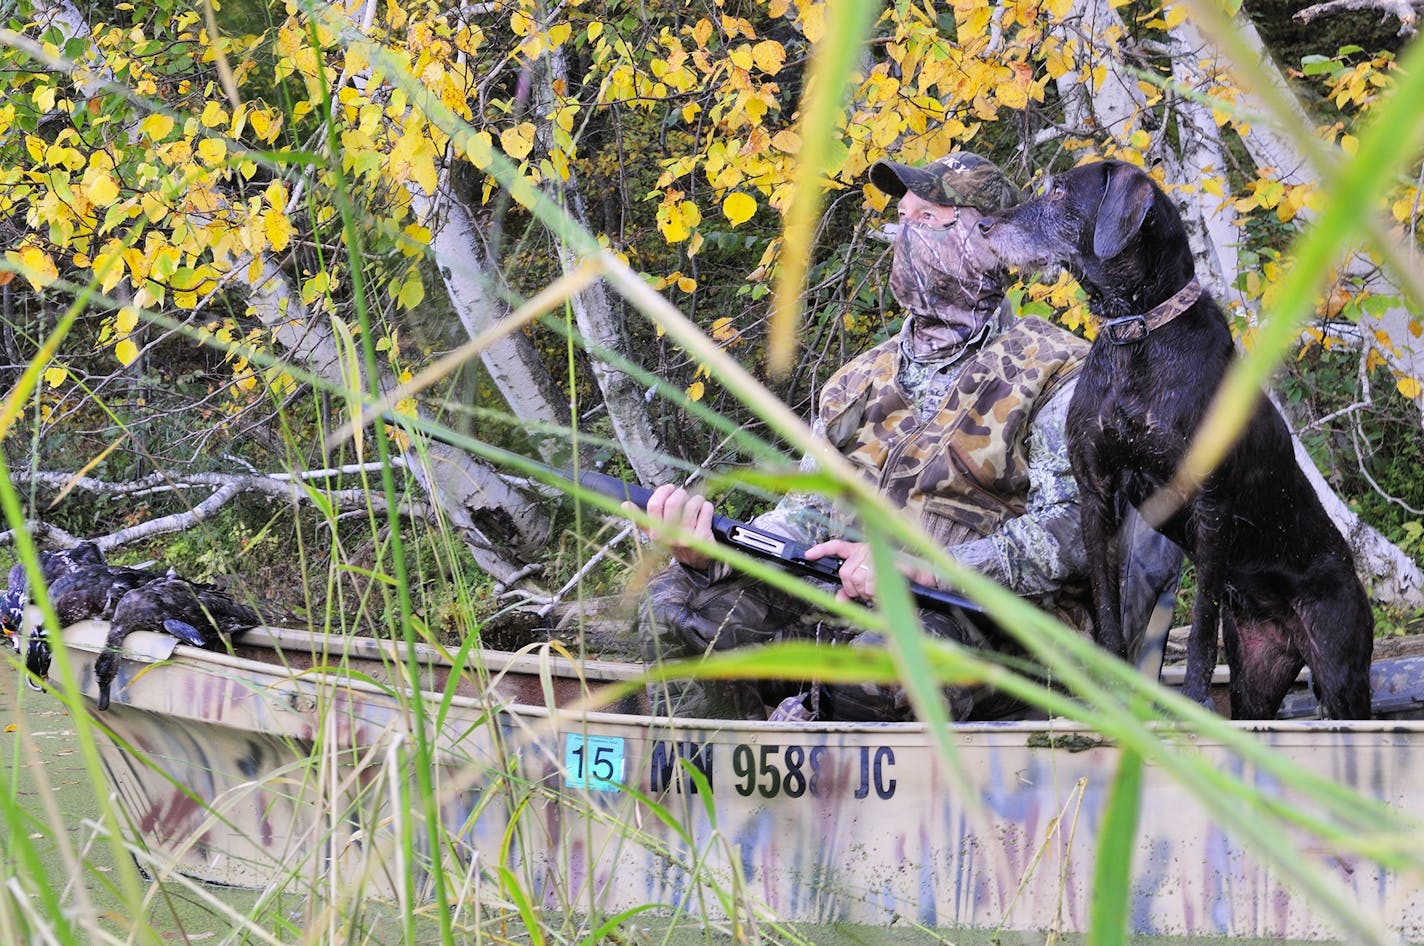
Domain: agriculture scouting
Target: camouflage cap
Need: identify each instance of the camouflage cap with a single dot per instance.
(959, 179)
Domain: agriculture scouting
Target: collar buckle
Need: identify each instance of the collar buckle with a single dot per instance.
(1127, 330)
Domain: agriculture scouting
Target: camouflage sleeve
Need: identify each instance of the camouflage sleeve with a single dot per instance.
(1036, 552)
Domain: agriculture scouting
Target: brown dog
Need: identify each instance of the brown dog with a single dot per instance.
(1272, 569)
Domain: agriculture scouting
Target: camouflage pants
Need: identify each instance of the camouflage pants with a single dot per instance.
(686, 616)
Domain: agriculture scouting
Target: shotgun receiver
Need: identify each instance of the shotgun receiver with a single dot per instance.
(787, 553)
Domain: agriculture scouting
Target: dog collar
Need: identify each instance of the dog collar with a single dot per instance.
(1130, 329)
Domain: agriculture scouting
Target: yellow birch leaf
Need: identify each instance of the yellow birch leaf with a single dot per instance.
(686, 284)
(695, 392)
(412, 291)
(277, 229)
(126, 351)
(108, 265)
(813, 22)
(262, 123)
(39, 268)
(157, 127)
(769, 56)
(212, 150)
(44, 98)
(55, 375)
(100, 188)
(1409, 387)
(480, 149)
(518, 141)
(786, 141)
(127, 320)
(213, 115)
(738, 208)
(723, 330)
(422, 165)
(1011, 95)
(702, 32)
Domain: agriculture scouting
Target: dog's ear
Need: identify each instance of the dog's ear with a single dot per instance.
(1126, 200)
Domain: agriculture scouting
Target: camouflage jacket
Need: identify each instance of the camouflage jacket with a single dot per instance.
(975, 447)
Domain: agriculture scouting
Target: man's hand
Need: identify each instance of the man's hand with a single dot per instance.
(679, 509)
(857, 571)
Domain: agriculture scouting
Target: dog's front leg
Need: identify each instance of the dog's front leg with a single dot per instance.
(1100, 520)
(1210, 562)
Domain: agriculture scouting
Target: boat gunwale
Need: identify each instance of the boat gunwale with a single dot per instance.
(367, 648)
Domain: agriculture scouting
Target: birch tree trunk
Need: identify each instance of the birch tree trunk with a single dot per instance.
(594, 313)
(513, 363)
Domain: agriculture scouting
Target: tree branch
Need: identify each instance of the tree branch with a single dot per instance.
(224, 488)
(1401, 10)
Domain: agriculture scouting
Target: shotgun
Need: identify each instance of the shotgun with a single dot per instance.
(780, 550)
(787, 553)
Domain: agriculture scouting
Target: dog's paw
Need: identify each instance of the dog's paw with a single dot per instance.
(1200, 697)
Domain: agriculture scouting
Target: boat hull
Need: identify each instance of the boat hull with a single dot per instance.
(239, 770)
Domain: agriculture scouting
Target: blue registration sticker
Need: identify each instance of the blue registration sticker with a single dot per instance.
(593, 762)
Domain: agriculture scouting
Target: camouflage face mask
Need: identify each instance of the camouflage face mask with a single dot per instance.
(949, 283)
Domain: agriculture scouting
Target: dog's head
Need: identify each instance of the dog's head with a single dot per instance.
(1106, 221)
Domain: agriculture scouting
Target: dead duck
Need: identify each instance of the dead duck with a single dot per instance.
(201, 615)
(53, 565)
(88, 591)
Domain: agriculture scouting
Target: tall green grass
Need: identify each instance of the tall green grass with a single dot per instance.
(426, 885)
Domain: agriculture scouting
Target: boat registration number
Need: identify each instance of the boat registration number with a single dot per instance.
(598, 763)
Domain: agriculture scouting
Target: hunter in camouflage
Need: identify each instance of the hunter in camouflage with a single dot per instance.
(959, 418)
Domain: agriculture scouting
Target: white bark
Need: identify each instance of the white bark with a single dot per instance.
(1114, 109)
(91, 75)
(597, 322)
(1210, 219)
(512, 361)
